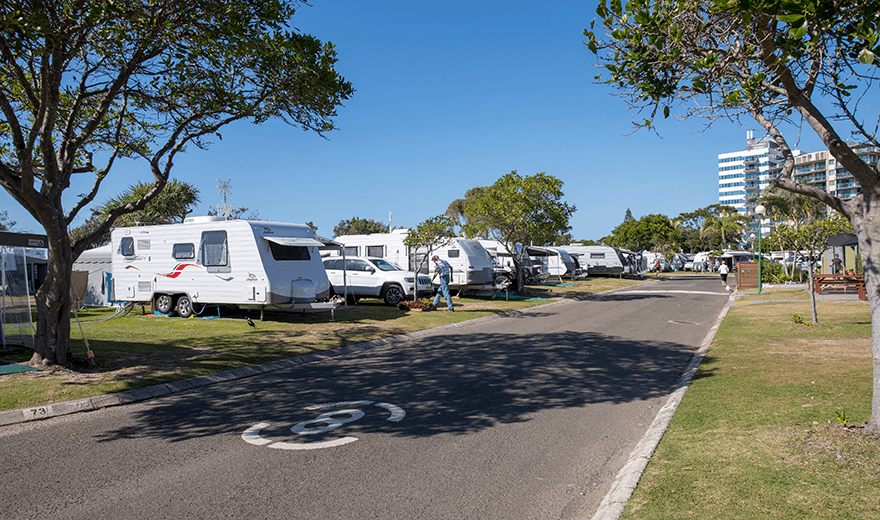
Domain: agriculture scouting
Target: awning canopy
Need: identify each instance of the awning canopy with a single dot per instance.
(294, 241)
(540, 251)
(843, 239)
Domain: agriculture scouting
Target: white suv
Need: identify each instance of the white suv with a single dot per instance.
(374, 278)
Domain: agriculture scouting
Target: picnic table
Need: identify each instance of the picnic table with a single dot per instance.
(855, 282)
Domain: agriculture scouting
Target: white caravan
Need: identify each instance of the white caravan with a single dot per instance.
(98, 263)
(250, 264)
(504, 266)
(597, 260)
(554, 261)
(471, 264)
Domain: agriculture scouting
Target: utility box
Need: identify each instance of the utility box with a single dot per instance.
(747, 277)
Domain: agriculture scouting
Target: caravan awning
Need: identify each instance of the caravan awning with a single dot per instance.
(294, 241)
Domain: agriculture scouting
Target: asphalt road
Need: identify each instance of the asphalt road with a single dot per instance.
(522, 417)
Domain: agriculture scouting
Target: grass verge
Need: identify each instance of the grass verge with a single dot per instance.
(141, 350)
(760, 432)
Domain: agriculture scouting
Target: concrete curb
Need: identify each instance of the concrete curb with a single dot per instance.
(142, 394)
(628, 477)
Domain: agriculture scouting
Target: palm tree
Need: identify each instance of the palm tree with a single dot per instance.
(729, 223)
(171, 205)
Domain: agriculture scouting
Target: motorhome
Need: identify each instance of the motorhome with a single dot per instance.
(598, 260)
(471, 264)
(207, 260)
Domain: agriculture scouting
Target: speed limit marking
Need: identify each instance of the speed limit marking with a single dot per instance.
(325, 422)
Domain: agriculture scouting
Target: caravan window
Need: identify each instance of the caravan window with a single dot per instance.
(453, 253)
(351, 251)
(214, 250)
(183, 251)
(284, 253)
(597, 255)
(375, 251)
(126, 246)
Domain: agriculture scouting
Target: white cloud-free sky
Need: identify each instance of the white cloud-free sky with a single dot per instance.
(449, 96)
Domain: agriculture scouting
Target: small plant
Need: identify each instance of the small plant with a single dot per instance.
(797, 319)
(417, 304)
(842, 418)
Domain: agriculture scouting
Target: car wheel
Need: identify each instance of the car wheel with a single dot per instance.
(184, 307)
(164, 303)
(393, 295)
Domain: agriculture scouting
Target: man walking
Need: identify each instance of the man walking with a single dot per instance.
(442, 268)
(723, 270)
(836, 263)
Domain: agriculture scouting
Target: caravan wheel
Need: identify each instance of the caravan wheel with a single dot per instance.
(184, 307)
(164, 303)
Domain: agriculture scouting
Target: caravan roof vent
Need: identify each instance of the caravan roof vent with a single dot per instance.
(203, 219)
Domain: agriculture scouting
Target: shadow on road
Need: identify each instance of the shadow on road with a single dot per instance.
(452, 383)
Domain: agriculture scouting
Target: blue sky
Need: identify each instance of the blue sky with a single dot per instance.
(450, 96)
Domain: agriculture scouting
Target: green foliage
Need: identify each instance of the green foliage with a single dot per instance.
(171, 205)
(431, 234)
(771, 272)
(87, 83)
(459, 211)
(810, 236)
(729, 224)
(358, 226)
(517, 209)
(651, 232)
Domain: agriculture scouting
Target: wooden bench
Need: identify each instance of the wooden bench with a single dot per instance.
(846, 282)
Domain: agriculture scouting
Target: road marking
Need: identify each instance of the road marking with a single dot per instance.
(330, 420)
(725, 293)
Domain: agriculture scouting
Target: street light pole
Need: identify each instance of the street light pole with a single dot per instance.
(760, 210)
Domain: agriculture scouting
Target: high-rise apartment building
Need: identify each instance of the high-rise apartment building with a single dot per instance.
(744, 174)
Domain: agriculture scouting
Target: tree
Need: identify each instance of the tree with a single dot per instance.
(431, 234)
(171, 205)
(784, 207)
(85, 84)
(358, 226)
(5, 223)
(773, 61)
(693, 237)
(812, 236)
(729, 223)
(516, 209)
(458, 211)
(649, 233)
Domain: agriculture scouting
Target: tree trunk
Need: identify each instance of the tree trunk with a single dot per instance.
(868, 230)
(53, 302)
(810, 284)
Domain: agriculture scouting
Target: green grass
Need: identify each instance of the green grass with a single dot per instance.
(757, 435)
(141, 350)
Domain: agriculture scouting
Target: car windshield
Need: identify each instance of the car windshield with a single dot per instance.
(383, 265)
